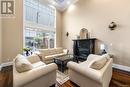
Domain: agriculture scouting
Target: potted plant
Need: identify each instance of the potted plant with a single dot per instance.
(27, 50)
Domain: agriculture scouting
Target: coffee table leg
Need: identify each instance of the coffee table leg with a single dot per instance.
(62, 66)
(77, 59)
(54, 61)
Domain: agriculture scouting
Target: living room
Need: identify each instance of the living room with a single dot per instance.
(106, 21)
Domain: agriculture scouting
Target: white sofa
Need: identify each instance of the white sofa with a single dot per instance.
(84, 76)
(41, 75)
(47, 55)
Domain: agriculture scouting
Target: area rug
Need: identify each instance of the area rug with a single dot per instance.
(62, 77)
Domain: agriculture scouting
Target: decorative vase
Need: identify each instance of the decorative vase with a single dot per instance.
(27, 53)
(83, 33)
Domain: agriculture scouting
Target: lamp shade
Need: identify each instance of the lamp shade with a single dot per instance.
(102, 46)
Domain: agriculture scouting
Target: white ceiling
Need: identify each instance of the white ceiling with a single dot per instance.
(61, 5)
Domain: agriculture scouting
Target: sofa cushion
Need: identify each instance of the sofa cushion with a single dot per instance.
(22, 64)
(98, 63)
(66, 51)
(52, 51)
(49, 57)
(33, 58)
(60, 54)
(53, 56)
(44, 52)
(59, 50)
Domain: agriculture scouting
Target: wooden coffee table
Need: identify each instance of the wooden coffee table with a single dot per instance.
(62, 61)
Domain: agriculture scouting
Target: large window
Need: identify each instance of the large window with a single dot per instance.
(39, 25)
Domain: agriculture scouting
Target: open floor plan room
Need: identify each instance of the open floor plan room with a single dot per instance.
(64, 43)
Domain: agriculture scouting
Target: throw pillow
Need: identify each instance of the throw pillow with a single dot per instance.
(22, 64)
(99, 64)
(66, 51)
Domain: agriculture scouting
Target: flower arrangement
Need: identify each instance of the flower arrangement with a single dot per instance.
(27, 50)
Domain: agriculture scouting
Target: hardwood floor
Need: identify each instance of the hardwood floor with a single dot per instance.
(68, 84)
(6, 77)
(113, 83)
(119, 79)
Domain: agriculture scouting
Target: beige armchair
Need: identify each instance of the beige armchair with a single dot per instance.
(84, 76)
(41, 75)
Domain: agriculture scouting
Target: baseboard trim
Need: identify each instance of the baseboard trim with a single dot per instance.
(121, 67)
(6, 64)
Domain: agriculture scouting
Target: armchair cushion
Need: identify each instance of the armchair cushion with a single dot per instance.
(22, 64)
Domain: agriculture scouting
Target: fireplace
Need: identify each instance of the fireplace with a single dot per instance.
(83, 47)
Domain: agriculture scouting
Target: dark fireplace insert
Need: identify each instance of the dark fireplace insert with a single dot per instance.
(83, 47)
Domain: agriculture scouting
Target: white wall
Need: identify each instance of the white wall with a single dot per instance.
(13, 33)
(96, 15)
(0, 40)
(58, 29)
